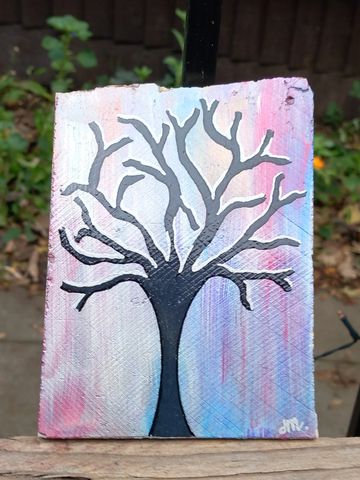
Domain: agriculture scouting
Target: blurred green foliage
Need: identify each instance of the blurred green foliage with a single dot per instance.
(337, 164)
(337, 182)
(25, 153)
(26, 127)
(63, 60)
(26, 118)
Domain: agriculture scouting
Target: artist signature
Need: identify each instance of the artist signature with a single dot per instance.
(291, 425)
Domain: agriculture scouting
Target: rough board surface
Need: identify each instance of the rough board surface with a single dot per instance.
(26, 458)
(179, 291)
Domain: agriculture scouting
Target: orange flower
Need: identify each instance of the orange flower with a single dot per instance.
(318, 163)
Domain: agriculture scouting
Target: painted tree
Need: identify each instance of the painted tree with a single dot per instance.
(169, 286)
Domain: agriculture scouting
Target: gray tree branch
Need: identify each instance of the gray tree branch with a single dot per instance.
(240, 278)
(92, 188)
(246, 241)
(89, 290)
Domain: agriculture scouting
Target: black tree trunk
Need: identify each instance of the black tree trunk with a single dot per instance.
(171, 301)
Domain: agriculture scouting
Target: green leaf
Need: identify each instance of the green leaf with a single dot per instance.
(102, 80)
(70, 24)
(11, 234)
(181, 14)
(3, 214)
(179, 38)
(12, 96)
(17, 143)
(29, 234)
(87, 58)
(142, 73)
(63, 65)
(6, 81)
(355, 89)
(333, 115)
(36, 88)
(123, 77)
(50, 43)
(54, 46)
(352, 182)
(175, 67)
(326, 231)
(61, 84)
(167, 81)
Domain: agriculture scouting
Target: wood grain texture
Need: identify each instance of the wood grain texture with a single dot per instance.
(68, 7)
(184, 378)
(99, 19)
(306, 33)
(9, 11)
(325, 458)
(228, 10)
(335, 36)
(158, 22)
(34, 12)
(129, 18)
(353, 58)
(278, 31)
(249, 18)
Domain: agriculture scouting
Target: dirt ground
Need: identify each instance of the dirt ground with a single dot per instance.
(21, 315)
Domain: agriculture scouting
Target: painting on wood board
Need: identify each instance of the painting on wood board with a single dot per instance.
(179, 291)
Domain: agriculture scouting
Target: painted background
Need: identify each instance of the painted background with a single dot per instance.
(242, 373)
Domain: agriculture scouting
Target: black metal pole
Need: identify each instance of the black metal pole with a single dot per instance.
(201, 42)
(354, 427)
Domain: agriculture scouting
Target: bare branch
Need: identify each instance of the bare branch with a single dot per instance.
(181, 133)
(167, 177)
(188, 212)
(92, 189)
(156, 147)
(100, 287)
(125, 183)
(271, 244)
(213, 223)
(93, 232)
(85, 259)
(230, 144)
(275, 204)
(259, 157)
(239, 278)
(146, 169)
(214, 134)
(253, 202)
(278, 277)
(102, 154)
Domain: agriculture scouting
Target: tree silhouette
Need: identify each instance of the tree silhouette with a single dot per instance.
(169, 288)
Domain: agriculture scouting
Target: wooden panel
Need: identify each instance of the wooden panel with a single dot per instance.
(34, 12)
(129, 18)
(68, 7)
(9, 11)
(247, 28)
(148, 352)
(353, 58)
(99, 19)
(306, 33)
(276, 40)
(159, 14)
(335, 37)
(228, 10)
(322, 459)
